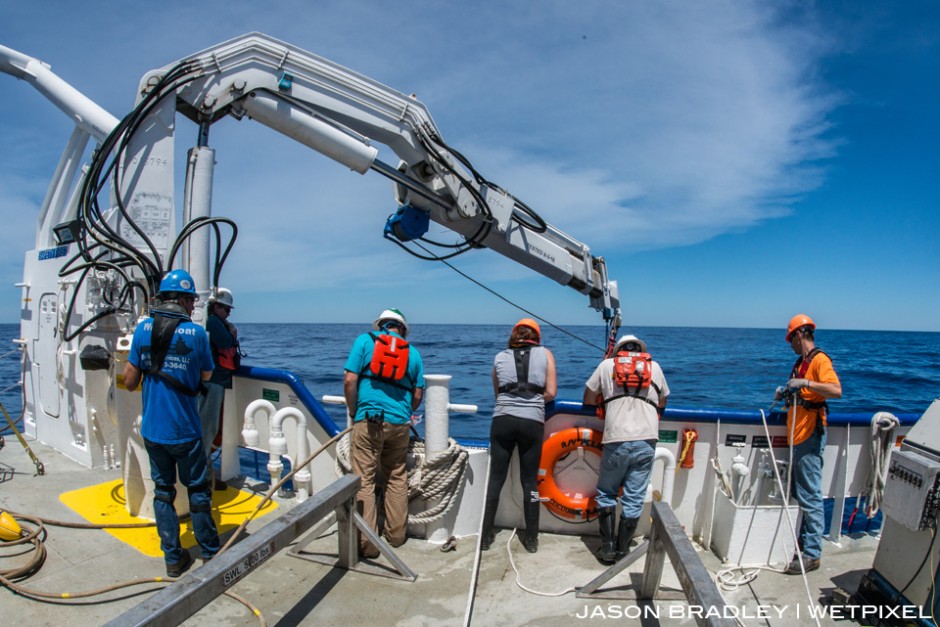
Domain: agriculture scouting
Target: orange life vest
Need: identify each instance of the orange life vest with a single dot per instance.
(389, 362)
(228, 358)
(634, 373)
(633, 370)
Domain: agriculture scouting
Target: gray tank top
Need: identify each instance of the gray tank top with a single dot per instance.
(529, 405)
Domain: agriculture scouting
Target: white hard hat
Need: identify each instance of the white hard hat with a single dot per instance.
(223, 296)
(625, 339)
(389, 315)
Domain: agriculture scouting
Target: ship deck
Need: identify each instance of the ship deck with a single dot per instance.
(513, 587)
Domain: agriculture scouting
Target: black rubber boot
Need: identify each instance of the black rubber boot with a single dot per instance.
(488, 534)
(606, 554)
(531, 542)
(624, 535)
(531, 538)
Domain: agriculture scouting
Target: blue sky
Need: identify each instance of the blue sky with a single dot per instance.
(735, 162)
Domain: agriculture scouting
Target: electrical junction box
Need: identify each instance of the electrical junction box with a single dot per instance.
(912, 490)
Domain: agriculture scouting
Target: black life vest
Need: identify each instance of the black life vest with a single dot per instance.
(389, 362)
(633, 371)
(522, 386)
(799, 370)
(161, 336)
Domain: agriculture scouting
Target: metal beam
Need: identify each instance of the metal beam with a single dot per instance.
(667, 537)
(348, 557)
(198, 588)
(589, 591)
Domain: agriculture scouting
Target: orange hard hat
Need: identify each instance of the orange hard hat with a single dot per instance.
(797, 322)
(532, 324)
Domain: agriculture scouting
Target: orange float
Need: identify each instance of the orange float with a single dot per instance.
(577, 507)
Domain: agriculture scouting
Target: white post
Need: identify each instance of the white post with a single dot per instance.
(230, 465)
(198, 204)
(436, 417)
(437, 408)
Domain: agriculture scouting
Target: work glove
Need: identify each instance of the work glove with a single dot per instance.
(797, 384)
(780, 394)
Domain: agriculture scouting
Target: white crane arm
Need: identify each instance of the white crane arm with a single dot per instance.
(342, 114)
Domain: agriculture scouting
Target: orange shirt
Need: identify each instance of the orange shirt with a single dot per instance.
(820, 370)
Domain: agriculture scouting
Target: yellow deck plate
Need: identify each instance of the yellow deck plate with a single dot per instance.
(104, 504)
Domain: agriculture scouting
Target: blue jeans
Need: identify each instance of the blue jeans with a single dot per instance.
(190, 459)
(807, 488)
(627, 465)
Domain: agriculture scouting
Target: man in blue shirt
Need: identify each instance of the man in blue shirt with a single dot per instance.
(383, 385)
(223, 340)
(172, 354)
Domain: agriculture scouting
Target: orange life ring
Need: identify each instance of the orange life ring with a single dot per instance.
(577, 508)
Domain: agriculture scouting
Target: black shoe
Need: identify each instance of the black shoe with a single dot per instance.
(180, 567)
(218, 484)
(809, 564)
(486, 540)
(531, 543)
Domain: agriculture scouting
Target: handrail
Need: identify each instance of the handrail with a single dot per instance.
(733, 416)
(296, 384)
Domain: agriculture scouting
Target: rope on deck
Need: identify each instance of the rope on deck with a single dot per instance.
(438, 477)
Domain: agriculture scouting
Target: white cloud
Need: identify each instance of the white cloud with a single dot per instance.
(646, 124)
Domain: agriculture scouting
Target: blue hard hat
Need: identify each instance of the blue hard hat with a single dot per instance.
(178, 281)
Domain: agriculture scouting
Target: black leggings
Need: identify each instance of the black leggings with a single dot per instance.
(506, 433)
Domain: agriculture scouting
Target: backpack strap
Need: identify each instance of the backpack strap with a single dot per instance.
(799, 371)
(164, 330)
(521, 385)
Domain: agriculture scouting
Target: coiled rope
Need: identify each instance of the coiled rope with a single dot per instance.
(440, 476)
(883, 425)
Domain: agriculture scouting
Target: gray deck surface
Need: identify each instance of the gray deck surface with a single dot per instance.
(293, 591)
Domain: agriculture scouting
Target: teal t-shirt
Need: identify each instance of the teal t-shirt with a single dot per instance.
(376, 395)
(171, 417)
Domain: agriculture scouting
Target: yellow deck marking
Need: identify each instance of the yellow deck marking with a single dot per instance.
(104, 504)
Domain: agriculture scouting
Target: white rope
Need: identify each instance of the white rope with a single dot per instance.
(8, 353)
(883, 425)
(440, 477)
(11, 387)
(512, 563)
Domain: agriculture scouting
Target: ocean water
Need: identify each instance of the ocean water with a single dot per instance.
(705, 367)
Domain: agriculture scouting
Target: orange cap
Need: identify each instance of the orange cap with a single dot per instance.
(798, 321)
(532, 324)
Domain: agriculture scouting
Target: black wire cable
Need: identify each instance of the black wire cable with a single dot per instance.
(933, 539)
(539, 226)
(107, 163)
(102, 168)
(517, 306)
(194, 225)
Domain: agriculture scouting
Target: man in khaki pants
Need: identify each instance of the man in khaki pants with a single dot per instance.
(383, 385)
